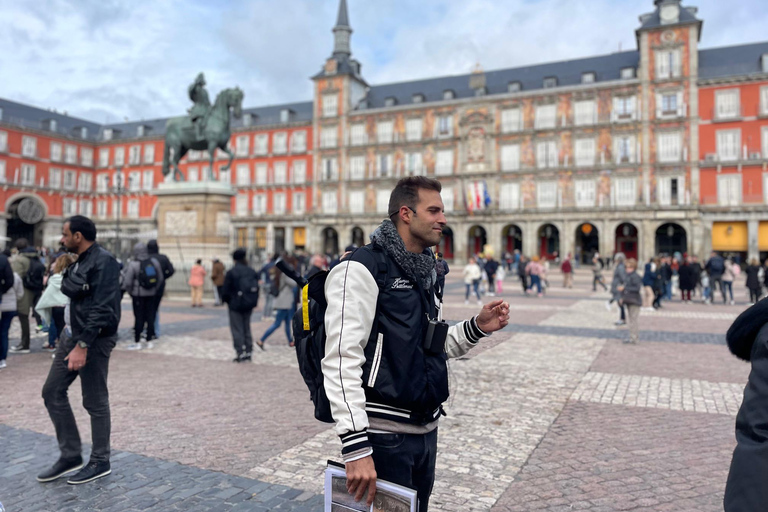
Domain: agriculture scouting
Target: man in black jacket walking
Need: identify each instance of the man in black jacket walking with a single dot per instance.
(241, 293)
(93, 285)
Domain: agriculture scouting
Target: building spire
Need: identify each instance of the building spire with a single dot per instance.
(342, 32)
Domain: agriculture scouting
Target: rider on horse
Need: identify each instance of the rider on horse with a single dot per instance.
(199, 95)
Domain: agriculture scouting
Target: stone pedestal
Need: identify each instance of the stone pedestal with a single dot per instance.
(193, 220)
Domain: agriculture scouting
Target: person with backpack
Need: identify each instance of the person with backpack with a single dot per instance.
(27, 262)
(715, 267)
(196, 282)
(168, 271)
(240, 292)
(284, 301)
(491, 266)
(384, 368)
(143, 279)
(8, 304)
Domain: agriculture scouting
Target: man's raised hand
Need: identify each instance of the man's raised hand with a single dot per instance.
(494, 316)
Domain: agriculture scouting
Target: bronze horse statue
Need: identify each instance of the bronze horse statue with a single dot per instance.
(180, 134)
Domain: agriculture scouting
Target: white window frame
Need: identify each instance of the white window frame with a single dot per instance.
(414, 164)
(149, 153)
(546, 194)
(764, 137)
(70, 180)
(242, 145)
(55, 151)
(119, 156)
(448, 199)
(280, 143)
(134, 183)
(104, 157)
(3, 178)
(509, 155)
(259, 204)
(357, 167)
(243, 175)
(624, 109)
(70, 154)
(763, 101)
(585, 193)
(261, 144)
(299, 172)
(329, 170)
(357, 134)
(330, 202)
(727, 104)
(262, 174)
(86, 157)
(664, 190)
(679, 107)
(511, 120)
(241, 205)
(728, 145)
(133, 209)
(69, 206)
(669, 154)
(102, 183)
(329, 136)
(382, 201)
(279, 203)
(444, 162)
(585, 152)
(84, 182)
(668, 64)
(625, 191)
(413, 129)
(3, 141)
(54, 178)
(225, 176)
(444, 127)
(134, 155)
(546, 116)
(330, 105)
(299, 203)
(280, 172)
(193, 174)
(729, 189)
(385, 132)
(509, 196)
(299, 141)
(357, 201)
(584, 112)
(385, 165)
(546, 154)
(618, 143)
(28, 146)
(148, 180)
(101, 209)
(86, 207)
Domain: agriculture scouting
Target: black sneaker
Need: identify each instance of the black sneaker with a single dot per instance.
(18, 349)
(246, 357)
(61, 468)
(237, 358)
(92, 471)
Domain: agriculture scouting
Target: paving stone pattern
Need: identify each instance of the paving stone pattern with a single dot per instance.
(554, 413)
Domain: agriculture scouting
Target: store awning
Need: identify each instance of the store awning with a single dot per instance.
(730, 237)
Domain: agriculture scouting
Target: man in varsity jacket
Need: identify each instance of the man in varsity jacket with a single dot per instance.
(385, 381)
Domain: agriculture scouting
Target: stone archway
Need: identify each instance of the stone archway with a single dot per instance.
(627, 240)
(446, 244)
(549, 241)
(477, 238)
(587, 242)
(511, 239)
(671, 238)
(330, 239)
(25, 220)
(358, 236)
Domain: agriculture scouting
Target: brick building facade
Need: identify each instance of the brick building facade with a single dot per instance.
(659, 149)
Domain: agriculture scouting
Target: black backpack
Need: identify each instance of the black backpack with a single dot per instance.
(33, 279)
(148, 277)
(247, 296)
(309, 334)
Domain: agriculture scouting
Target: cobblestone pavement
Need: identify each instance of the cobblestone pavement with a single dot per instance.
(553, 413)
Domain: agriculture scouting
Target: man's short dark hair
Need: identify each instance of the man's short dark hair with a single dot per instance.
(406, 193)
(239, 254)
(84, 225)
(21, 244)
(152, 247)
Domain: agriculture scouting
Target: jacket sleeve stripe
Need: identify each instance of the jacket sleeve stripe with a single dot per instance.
(341, 334)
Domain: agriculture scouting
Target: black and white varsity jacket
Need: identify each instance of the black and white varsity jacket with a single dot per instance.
(374, 364)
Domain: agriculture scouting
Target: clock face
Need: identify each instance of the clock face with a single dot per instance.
(670, 13)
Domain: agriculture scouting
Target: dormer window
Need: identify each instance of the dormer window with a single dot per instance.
(285, 115)
(514, 87)
(448, 94)
(627, 73)
(588, 77)
(418, 98)
(140, 131)
(107, 135)
(51, 125)
(390, 102)
(1, 113)
(247, 119)
(550, 82)
(481, 91)
(764, 66)
(81, 131)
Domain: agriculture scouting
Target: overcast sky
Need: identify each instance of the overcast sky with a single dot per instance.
(106, 60)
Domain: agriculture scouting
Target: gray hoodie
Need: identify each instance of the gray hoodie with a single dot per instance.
(133, 269)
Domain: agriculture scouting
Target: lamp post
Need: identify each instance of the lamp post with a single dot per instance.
(119, 190)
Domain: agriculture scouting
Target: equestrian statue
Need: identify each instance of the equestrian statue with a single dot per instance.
(206, 128)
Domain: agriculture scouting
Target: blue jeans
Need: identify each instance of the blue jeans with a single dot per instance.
(475, 285)
(283, 315)
(668, 290)
(52, 334)
(727, 290)
(535, 281)
(5, 324)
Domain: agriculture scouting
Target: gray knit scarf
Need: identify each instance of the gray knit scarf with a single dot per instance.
(418, 267)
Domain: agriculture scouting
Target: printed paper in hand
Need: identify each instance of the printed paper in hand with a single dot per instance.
(389, 497)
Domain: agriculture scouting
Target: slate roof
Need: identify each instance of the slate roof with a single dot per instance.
(606, 67)
(35, 118)
(732, 61)
(653, 20)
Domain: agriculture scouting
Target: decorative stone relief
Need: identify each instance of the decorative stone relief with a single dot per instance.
(223, 220)
(180, 223)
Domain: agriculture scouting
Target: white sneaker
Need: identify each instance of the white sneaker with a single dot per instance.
(466, 302)
(608, 305)
(149, 345)
(133, 346)
(733, 302)
(479, 303)
(2, 364)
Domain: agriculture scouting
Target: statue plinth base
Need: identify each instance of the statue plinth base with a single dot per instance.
(194, 220)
